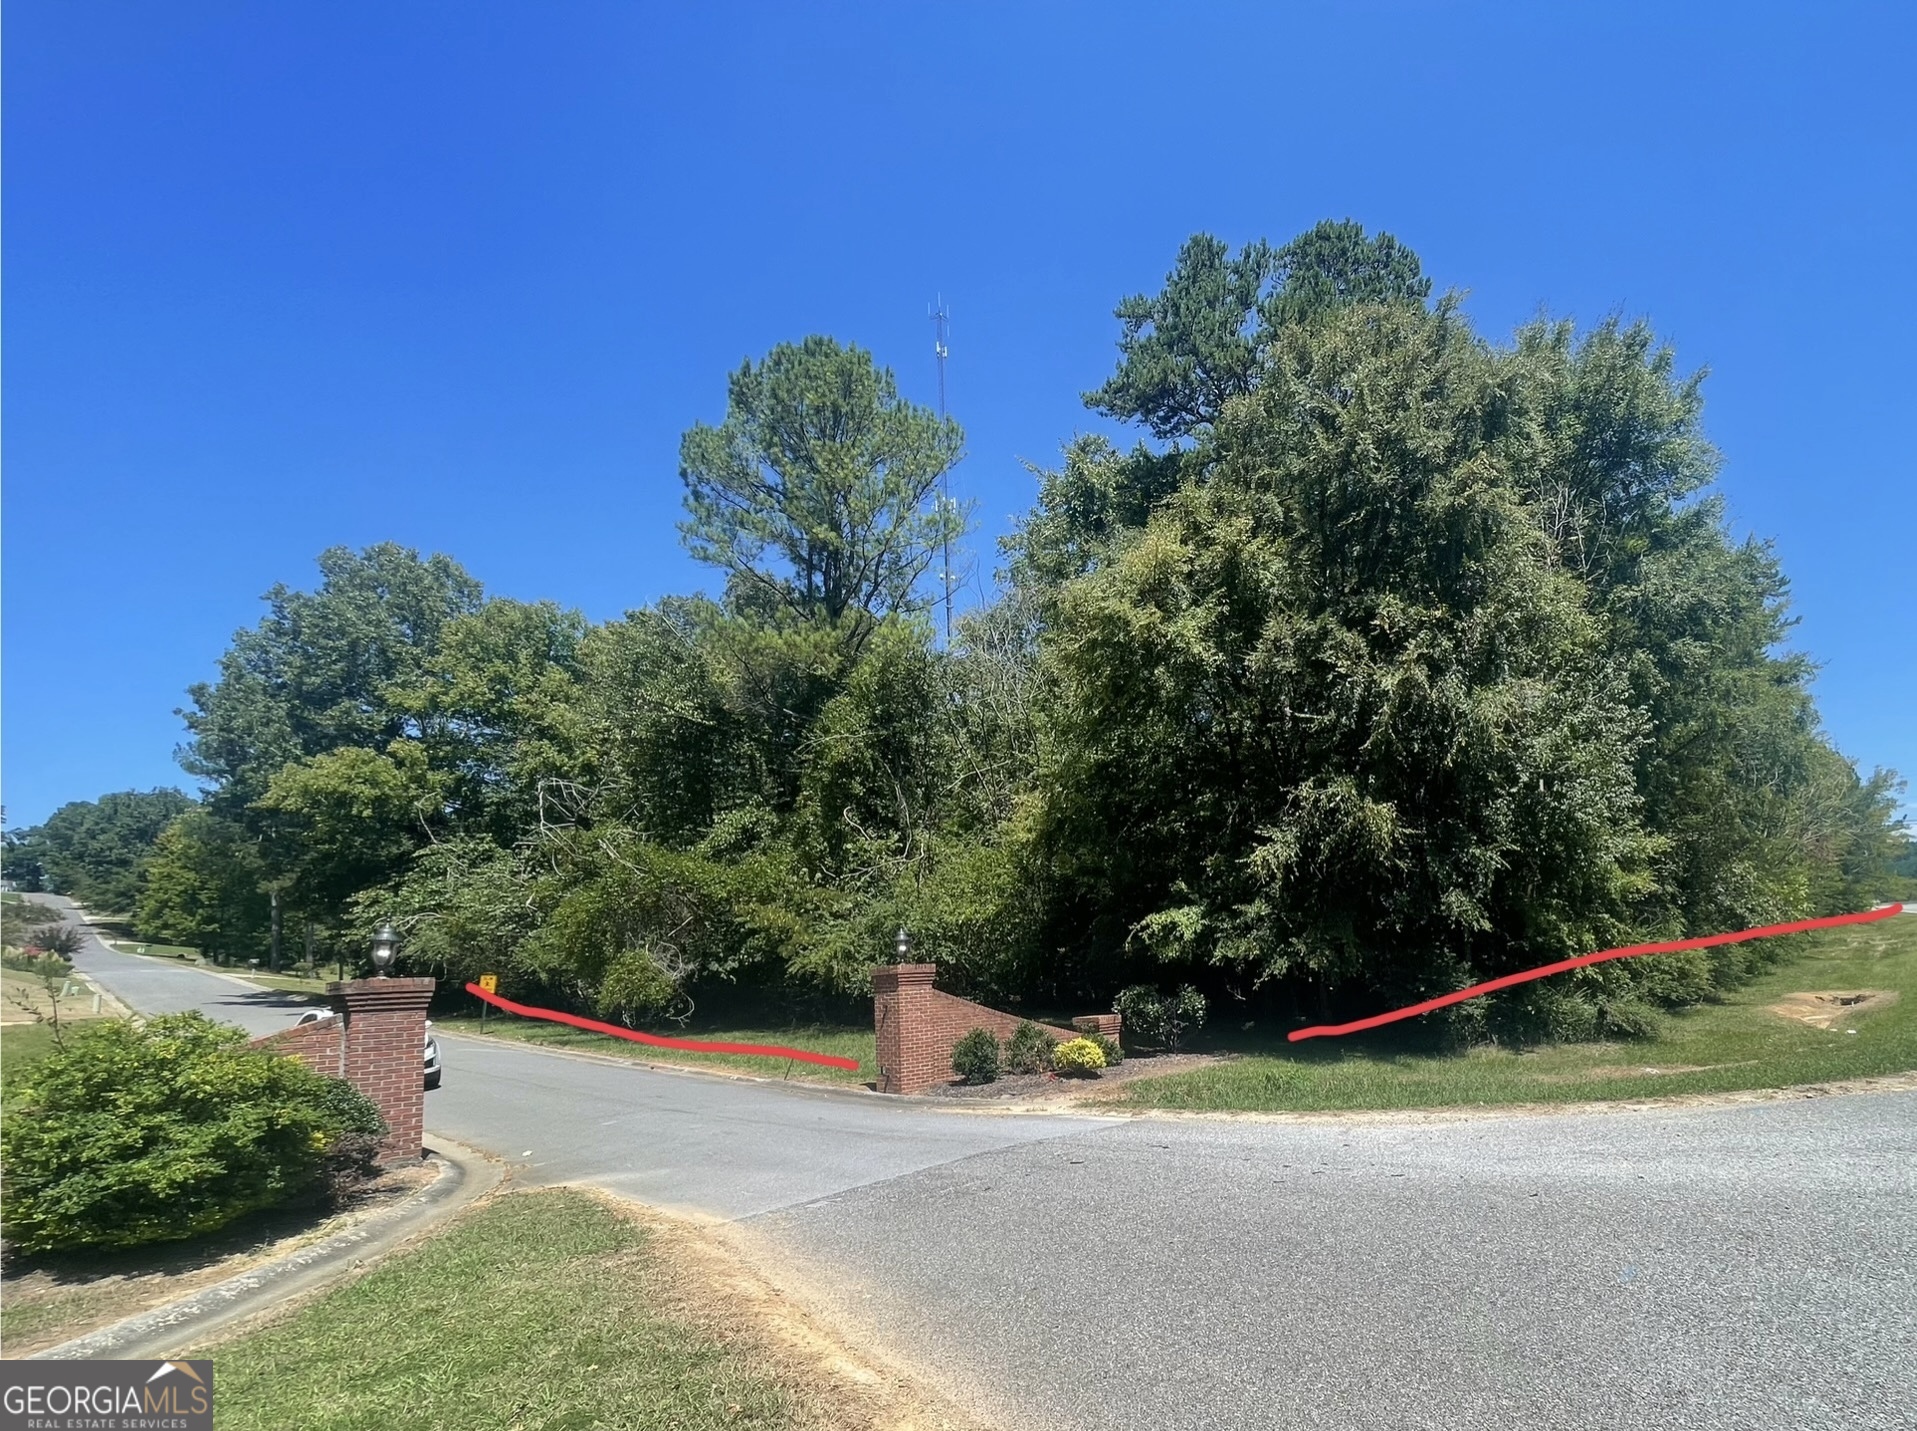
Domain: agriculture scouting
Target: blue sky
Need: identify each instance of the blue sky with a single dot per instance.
(284, 276)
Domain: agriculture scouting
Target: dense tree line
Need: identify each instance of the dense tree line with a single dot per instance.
(94, 850)
(1396, 658)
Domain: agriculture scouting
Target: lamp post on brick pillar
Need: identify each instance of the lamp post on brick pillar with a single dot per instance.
(383, 1047)
(901, 1000)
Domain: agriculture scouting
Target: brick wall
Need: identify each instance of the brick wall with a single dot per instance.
(317, 1045)
(376, 1041)
(918, 1026)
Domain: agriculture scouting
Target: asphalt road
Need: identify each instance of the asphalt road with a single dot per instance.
(156, 986)
(1750, 1266)
(693, 1143)
(1739, 1267)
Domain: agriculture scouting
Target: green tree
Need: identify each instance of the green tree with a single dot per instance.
(1333, 716)
(204, 888)
(20, 860)
(818, 494)
(1403, 617)
(323, 669)
(97, 850)
(1189, 350)
(312, 738)
(497, 713)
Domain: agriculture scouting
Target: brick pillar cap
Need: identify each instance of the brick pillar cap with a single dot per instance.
(903, 974)
(383, 993)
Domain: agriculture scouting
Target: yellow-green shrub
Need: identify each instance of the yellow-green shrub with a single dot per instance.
(1078, 1058)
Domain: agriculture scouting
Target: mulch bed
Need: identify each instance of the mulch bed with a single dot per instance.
(1042, 1087)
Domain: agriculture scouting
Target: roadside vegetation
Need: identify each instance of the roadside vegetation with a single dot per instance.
(126, 1134)
(48, 1299)
(1770, 1033)
(21, 1046)
(1391, 657)
(535, 1311)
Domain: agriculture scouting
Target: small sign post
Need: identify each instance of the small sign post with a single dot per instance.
(490, 983)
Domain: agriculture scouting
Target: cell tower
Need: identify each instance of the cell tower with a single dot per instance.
(941, 332)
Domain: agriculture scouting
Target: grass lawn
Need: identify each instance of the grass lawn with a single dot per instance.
(536, 1311)
(1717, 1048)
(288, 983)
(842, 1040)
(157, 951)
(22, 1044)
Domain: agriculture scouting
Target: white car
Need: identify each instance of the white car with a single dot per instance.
(313, 1016)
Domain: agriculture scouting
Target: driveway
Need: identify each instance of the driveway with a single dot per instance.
(1741, 1266)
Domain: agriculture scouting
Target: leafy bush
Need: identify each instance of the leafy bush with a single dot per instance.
(62, 940)
(26, 963)
(18, 917)
(975, 1057)
(1078, 1058)
(635, 988)
(351, 1155)
(133, 1135)
(1156, 1020)
(1109, 1047)
(1626, 1019)
(1545, 1014)
(1029, 1049)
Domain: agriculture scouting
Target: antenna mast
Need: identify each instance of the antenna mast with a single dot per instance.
(941, 319)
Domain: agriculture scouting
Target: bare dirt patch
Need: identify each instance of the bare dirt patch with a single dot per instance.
(1826, 1010)
(51, 1300)
(837, 1386)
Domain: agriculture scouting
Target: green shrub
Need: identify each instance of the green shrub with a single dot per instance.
(635, 988)
(1077, 1058)
(1155, 1020)
(1109, 1047)
(1029, 1049)
(351, 1155)
(975, 1057)
(133, 1135)
(25, 963)
(19, 921)
(1626, 1019)
(62, 941)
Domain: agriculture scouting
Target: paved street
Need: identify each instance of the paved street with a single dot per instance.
(156, 986)
(698, 1144)
(1733, 1267)
(1737, 1268)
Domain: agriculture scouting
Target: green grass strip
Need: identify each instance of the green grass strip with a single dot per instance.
(1731, 1046)
(535, 1312)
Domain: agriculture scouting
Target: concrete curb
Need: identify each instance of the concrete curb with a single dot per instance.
(464, 1177)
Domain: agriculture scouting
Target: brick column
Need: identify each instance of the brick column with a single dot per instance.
(1109, 1025)
(901, 1017)
(383, 1050)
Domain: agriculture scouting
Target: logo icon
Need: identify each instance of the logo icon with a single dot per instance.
(106, 1395)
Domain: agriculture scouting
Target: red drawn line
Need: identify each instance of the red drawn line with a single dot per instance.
(1629, 951)
(690, 1045)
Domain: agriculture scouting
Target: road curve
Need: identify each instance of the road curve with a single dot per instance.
(1746, 1266)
